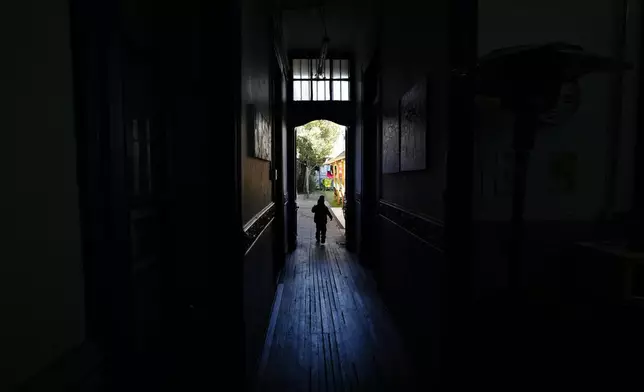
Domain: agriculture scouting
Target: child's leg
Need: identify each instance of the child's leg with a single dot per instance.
(317, 232)
(323, 230)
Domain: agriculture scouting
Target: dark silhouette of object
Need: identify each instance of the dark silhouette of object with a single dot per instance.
(320, 212)
(528, 79)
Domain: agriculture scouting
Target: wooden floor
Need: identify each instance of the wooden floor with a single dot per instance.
(330, 331)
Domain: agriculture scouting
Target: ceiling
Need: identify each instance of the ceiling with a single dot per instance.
(350, 24)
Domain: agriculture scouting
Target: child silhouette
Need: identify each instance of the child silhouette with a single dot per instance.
(320, 212)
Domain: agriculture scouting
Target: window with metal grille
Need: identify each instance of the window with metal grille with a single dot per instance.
(331, 85)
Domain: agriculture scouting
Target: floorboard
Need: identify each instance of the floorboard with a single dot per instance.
(332, 331)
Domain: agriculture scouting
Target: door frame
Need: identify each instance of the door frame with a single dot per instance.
(278, 104)
(291, 183)
(101, 171)
(340, 112)
(371, 168)
(636, 218)
(103, 198)
(458, 297)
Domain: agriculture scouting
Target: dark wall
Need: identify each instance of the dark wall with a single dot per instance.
(258, 282)
(413, 45)
(567, 201)
(205, 268)
(257, 192)
(404, 32)
(107, 41)
(412, 279)
(301, 113)
(41, 276)
(256, 60)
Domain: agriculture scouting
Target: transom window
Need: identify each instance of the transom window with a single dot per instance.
(331, 85)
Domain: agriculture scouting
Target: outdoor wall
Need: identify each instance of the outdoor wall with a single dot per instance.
(259, 278)
(41, 277)
(570, 185)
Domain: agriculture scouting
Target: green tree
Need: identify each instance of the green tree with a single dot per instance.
(314, 144)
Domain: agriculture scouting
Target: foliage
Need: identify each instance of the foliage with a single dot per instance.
(332, 199)
(326, 183)
(315, 141)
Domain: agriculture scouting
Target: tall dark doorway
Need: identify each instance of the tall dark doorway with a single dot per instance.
(147, 122)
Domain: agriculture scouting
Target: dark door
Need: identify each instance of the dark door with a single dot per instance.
(147, 170)
(463, 30)
(124, 160)
(156, 145)
(103, 184)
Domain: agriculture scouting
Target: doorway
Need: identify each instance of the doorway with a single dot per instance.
(321, 168)
(322, 90)
(148, 181)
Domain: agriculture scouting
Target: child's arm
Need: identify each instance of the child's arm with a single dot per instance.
(328, 212)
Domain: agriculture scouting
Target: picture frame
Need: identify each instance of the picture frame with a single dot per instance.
(259, 134)
(414, 126)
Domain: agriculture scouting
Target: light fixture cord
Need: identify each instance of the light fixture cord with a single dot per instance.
(320, 67)
(323, 20)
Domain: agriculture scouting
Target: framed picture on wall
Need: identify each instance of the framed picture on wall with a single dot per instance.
(260, 135)
(414, 111)
(390, 144)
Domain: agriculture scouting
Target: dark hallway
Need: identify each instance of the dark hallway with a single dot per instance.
(329, 330)
(489, 177)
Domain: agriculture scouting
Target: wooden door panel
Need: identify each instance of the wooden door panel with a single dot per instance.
(145, 170)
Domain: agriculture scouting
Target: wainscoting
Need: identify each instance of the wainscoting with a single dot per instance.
(424, 228)
(411, 267)
(259, 282)
(255, 227)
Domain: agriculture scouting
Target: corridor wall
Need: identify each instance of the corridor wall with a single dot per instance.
(414, 48)
(258, 213)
